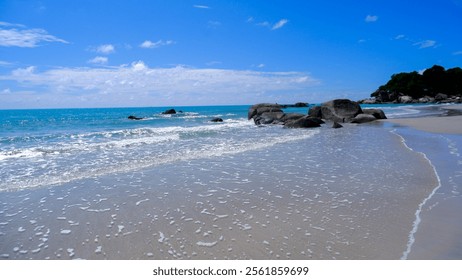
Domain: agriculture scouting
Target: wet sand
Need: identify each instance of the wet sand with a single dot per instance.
(344, 194)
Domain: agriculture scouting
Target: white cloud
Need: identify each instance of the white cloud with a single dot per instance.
(99, 60)
(268, 24)
(425, 44)
(201, 6)
(25, 73)
(178, 85)
(371, 18)
(280, 24)
(5, 63)
(16, 35)
(213, 24)
(2, 23)
(214, 62)
(457, 53)
(105, 49)
(150, 45)
(263, 23)
(400, 37)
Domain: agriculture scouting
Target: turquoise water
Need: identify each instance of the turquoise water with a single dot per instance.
(46, 147)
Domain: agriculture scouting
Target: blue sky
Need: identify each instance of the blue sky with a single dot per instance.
(96, 53)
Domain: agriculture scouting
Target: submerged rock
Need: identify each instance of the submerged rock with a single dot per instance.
(216, 120)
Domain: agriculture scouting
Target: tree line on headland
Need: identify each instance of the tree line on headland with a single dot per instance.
(435, 84)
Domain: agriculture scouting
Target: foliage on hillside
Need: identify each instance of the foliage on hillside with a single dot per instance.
(431, 82)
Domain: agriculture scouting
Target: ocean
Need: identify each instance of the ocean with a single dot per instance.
(93, 184)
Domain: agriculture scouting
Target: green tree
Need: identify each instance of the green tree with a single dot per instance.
(406, 83)
(435, 79)
(454, 80)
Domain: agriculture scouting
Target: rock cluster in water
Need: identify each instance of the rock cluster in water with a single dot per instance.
(336, 111)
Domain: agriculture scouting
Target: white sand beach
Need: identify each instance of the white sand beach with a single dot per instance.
(448, 125)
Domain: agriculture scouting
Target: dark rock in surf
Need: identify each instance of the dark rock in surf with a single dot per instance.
(291, 116)
(315, 112)
(301, 105)
(267, 113)
(377, 113)
(258, 109)
(268, 118)
(340, 110)
(216, 120)
(337, 110)
(134, 118)
(303, 122)
(169, 112)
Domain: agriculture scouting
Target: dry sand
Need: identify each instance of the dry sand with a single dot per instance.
(447, 125)
(440, 124)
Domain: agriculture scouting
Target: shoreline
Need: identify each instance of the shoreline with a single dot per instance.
(438, 138)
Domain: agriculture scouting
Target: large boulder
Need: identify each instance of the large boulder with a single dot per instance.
(441, 96)
(405, 99)
(268, 118)
(258, 109)
(363, 118)
(291, 116)
(377, 113)
(303, 122)
(337, 110)
(315, 112)
(369, 101)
